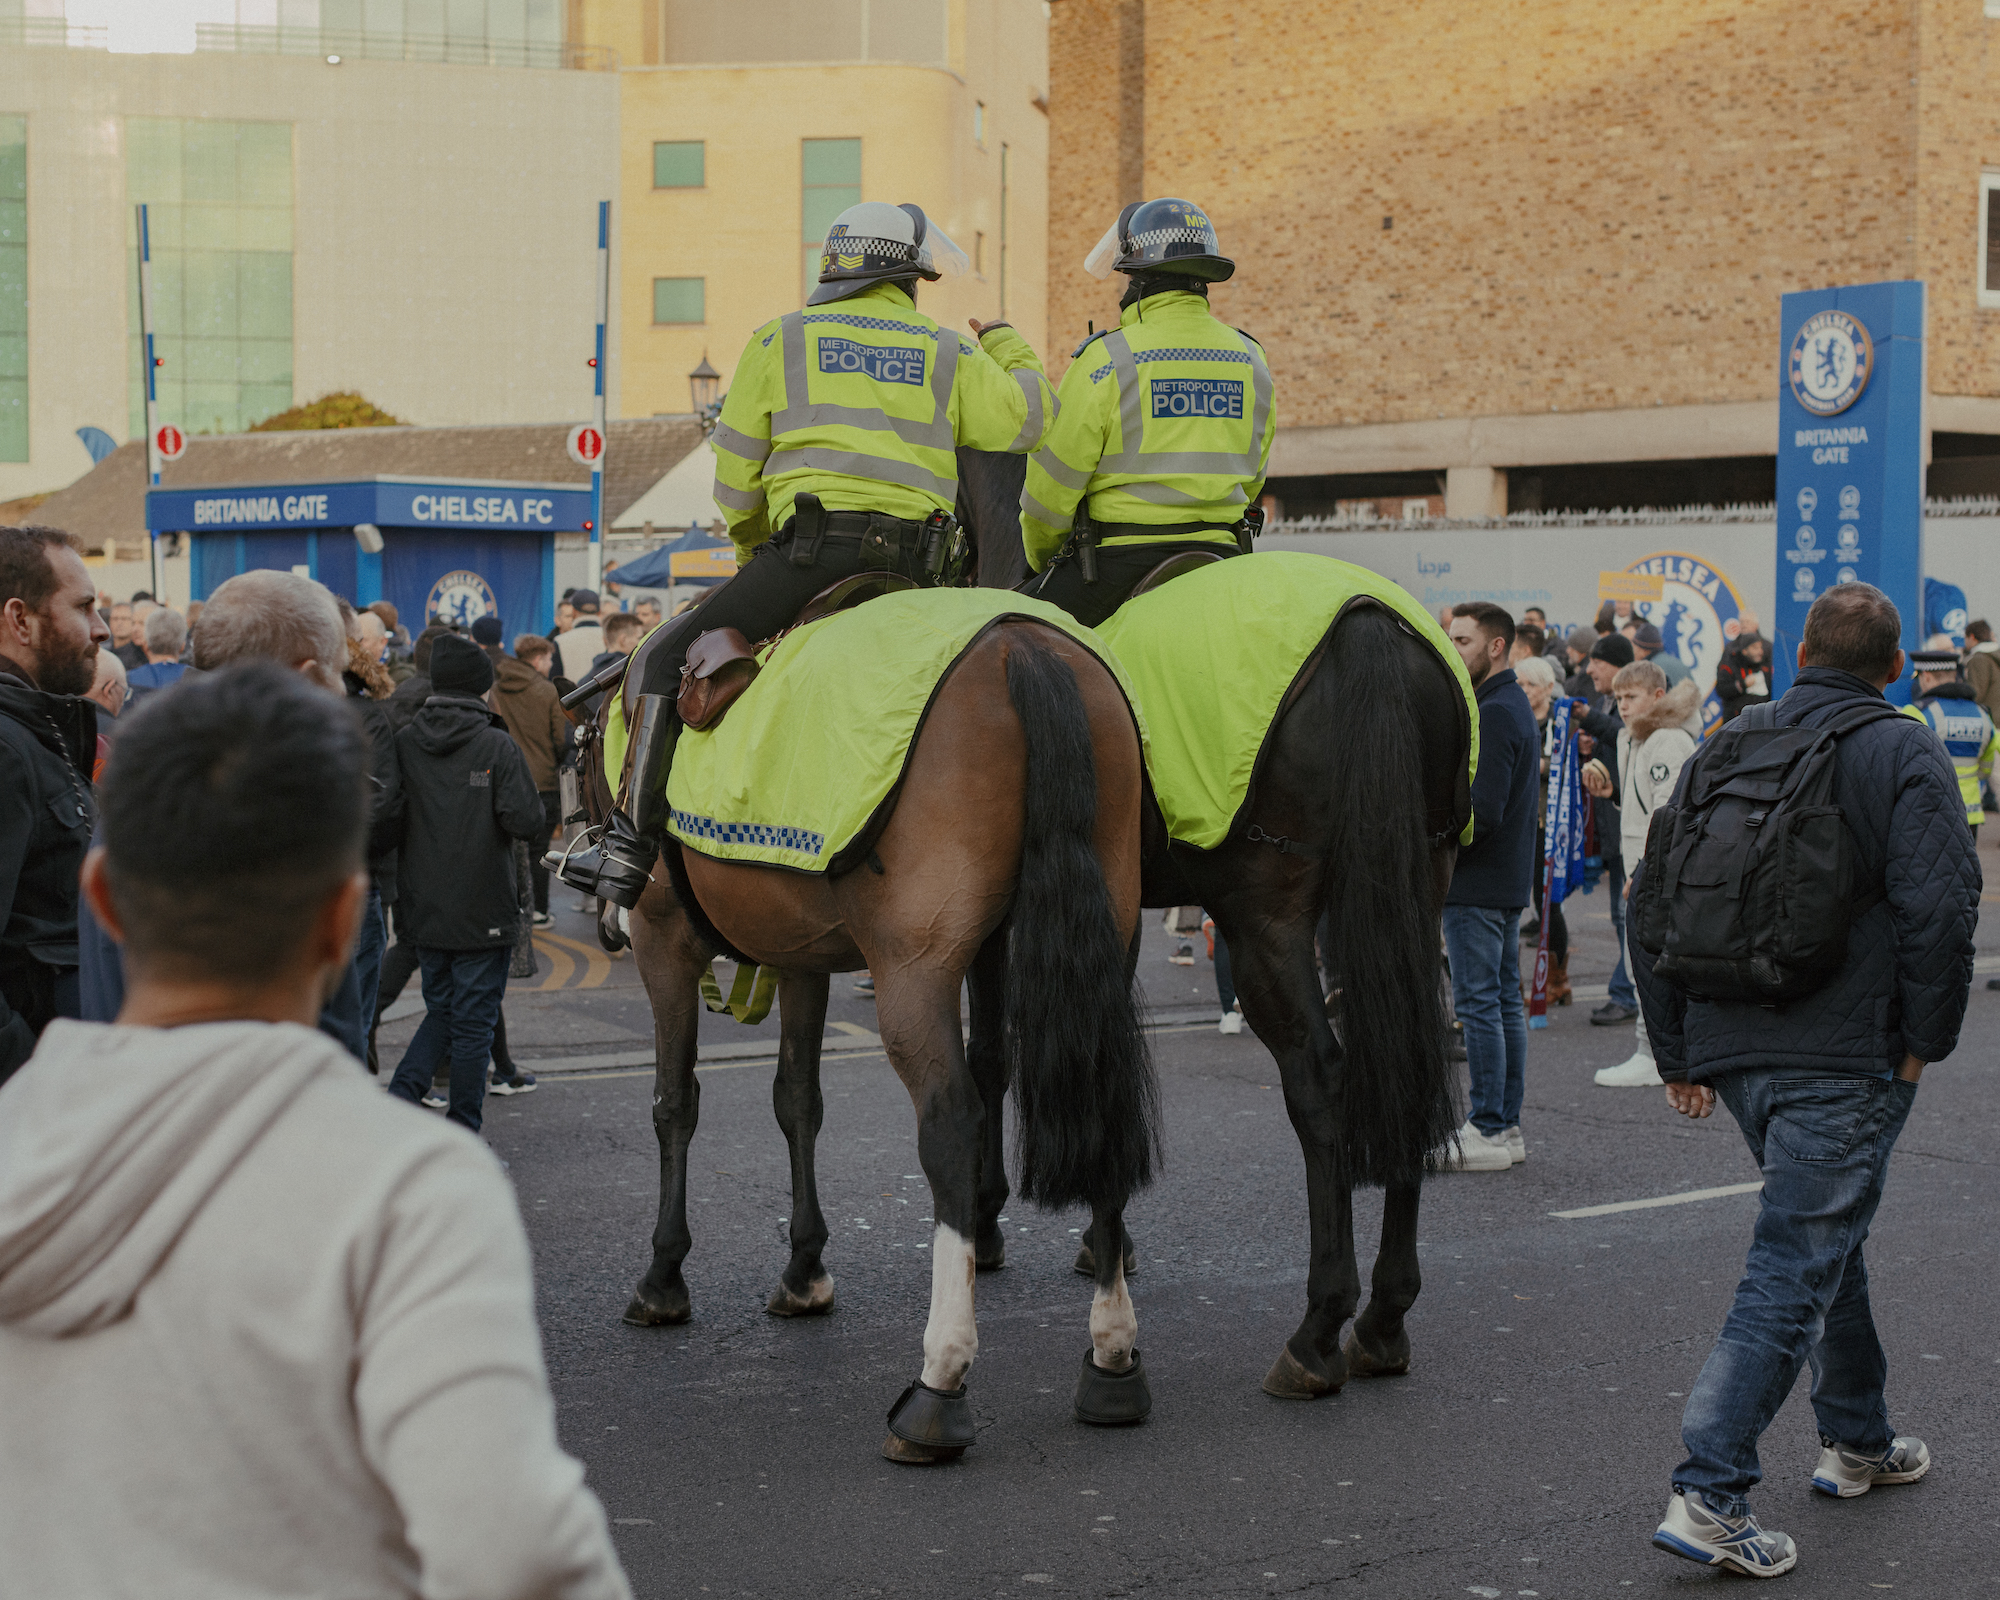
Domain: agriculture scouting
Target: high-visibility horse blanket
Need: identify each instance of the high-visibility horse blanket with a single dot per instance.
(1211, 656)
(804, 761)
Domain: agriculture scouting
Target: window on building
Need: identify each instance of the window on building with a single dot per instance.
(679, 300)
(219, 212)
(979, 122)
(679, 164)
(830, 178)
(1989, 239)
(13, 288)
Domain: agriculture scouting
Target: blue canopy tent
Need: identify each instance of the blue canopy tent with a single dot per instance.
(654, 569)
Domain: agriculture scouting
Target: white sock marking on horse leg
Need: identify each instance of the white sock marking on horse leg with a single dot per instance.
(1114, 1325)
(951, 1338)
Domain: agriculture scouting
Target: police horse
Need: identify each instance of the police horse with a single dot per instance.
(1009, 864)
(1352, 823)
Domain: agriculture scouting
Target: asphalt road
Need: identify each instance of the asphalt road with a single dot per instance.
(1527, 1453)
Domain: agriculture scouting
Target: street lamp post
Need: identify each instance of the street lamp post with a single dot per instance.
(704, 387)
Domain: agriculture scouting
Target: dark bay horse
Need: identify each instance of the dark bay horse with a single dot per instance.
(1009, 863)
(1363, 779)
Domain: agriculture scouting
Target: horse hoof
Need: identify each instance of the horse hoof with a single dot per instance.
(1365, 1364)
(919, 1455)
(1290, 1379)
(662, 1312)
(610, 935)
(1086, 1262)
(815, 1302)
(1106, 1399)
(929, 1425)
(991, 1259)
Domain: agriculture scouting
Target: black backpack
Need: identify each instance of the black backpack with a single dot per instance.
(1748, 888)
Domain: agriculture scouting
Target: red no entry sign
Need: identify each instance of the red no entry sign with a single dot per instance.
(586, 445)
(169, 441)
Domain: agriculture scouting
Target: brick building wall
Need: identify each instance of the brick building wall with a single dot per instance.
(1959, 137)
(1528, 204)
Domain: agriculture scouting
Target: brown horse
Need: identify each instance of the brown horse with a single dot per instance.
(1008, 862)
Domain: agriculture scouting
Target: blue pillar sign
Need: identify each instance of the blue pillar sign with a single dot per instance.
(1850, 456)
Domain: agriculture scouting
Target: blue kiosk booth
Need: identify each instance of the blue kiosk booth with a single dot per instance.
(433, 547)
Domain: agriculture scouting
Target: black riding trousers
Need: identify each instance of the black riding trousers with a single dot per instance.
(1119, 569)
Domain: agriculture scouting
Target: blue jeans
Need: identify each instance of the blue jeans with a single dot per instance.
(462, 994)
(1621, 981)
(1225, 979)
(1823, 1146)
(1485, 950)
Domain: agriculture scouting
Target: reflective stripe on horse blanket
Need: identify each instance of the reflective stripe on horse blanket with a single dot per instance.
(1212, 654)
(797, 770)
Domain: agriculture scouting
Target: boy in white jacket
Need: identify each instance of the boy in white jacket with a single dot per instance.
(263, 1330)
(1662, 728)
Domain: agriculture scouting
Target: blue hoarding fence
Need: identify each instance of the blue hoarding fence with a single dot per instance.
(1850, 456)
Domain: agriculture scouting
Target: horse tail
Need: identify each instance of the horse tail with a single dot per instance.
(1086, 1100)
(1399, 1102)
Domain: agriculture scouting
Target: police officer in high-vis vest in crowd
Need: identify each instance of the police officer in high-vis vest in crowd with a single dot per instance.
(1944, 701)
(834, 456)
(1165, 427)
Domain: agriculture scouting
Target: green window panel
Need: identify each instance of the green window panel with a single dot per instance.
(679, 299)
(219, 198)
(831, 180)
(680, 164)
(13, 288)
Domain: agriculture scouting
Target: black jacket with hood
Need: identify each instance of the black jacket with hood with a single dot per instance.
(47, 810)
(385, 785)
(467, 797)
(1908, 974)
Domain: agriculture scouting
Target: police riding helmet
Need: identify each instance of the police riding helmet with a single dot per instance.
(1171, 236)
(875, 242)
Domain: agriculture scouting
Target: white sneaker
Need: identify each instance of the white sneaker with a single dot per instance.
(1232, 1022)
(1846, 1473)
(1641, 1072)
(1517, 1147)
(1469, 1150)
(1694, 1530)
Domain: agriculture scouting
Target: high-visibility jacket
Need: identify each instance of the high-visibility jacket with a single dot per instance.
(863, 402)
(1967, 735)
(1167, 418)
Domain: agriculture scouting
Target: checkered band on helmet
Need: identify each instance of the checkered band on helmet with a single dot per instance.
(856, 253)
(1170, 236)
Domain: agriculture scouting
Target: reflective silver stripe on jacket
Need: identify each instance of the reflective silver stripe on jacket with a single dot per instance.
(855, 465)
(800, 412)
(1031, 430)
(737, 499)
(741, 444)
(1132, 427)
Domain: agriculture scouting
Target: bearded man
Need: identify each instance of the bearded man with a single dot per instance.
(49, 634)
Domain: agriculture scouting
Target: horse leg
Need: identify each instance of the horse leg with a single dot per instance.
(670, 962)
(1112, 1390)
(917, 1011)
(1281, 1002)
(806, 1288)
(986, 1058)
(1377, 1345)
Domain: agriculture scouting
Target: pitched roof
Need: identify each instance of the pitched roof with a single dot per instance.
(109, 501)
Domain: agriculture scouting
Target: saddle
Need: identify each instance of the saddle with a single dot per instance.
(1174, 567)
(721, 663)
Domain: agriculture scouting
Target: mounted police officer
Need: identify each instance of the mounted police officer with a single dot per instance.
(1165, 424)
(834, 456)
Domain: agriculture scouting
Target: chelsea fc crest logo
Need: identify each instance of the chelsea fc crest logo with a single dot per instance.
(461, 597)
(1829, 364)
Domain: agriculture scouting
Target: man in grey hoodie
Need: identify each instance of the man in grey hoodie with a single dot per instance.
(263, 1330)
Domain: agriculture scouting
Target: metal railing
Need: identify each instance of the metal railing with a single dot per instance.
(53, 31)
(362, 46)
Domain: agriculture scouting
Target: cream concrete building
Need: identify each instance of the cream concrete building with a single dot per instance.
(422, 230)
(746, 128)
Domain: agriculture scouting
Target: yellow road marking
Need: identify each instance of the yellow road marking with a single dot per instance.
(597, 965)
(560, 965)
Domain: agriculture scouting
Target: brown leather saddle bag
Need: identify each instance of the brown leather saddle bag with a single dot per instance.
(720, 666)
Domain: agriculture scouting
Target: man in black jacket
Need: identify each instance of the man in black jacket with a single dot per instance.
(49, 635)
(1821, 1088)
(466, 796)
(1491, 883)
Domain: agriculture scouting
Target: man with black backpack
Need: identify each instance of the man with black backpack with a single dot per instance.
(1803, 945)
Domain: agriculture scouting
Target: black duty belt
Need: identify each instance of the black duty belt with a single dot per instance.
(925, 551)
(1163, 530)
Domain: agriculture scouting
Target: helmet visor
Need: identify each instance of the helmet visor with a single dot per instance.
(941, 255)
(1103, 253)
